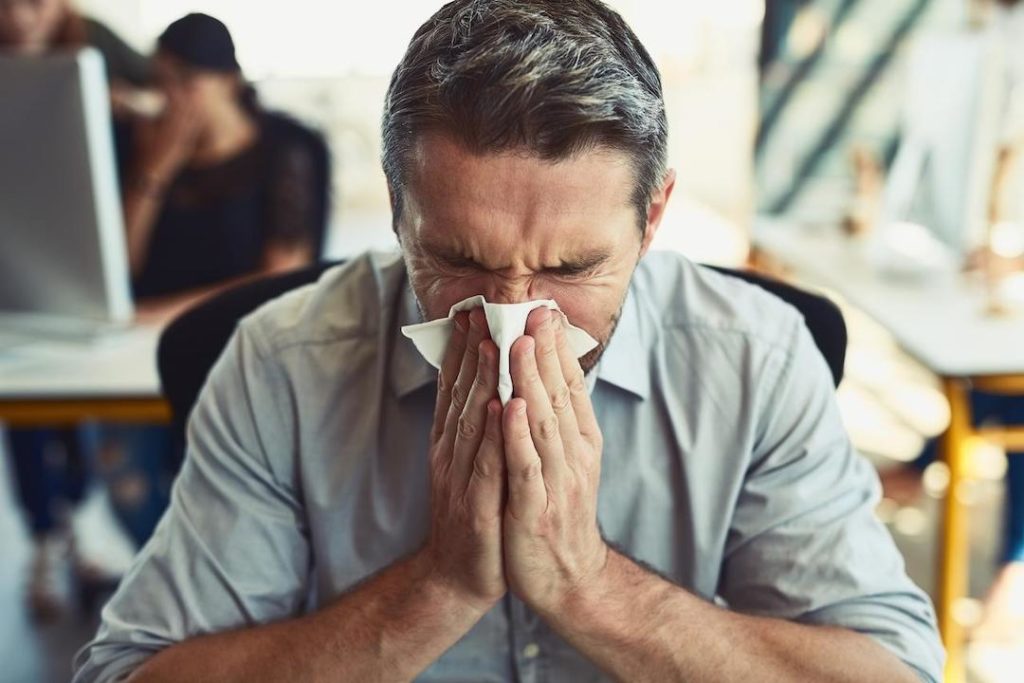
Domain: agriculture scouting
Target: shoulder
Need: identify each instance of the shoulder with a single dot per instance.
(285, 130)
(712, 307)
(349, 302)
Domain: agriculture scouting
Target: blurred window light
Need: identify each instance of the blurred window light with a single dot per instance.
(807, 32)
(1007, 239)
(319, 38)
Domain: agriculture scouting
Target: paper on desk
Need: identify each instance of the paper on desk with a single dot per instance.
(506, 322)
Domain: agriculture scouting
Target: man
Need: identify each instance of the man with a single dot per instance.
(679, 504)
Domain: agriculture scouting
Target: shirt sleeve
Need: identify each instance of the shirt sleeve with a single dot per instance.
(804, 543)
(232, 550)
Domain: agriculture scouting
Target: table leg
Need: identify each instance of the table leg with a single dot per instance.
(954, 543)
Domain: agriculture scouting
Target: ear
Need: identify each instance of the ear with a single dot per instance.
(656, 210)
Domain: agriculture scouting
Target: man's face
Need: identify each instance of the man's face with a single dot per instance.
(514, 228)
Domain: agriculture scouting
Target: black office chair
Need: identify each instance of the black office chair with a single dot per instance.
(191, 344)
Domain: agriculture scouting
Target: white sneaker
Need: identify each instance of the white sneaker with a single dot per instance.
(48, 582)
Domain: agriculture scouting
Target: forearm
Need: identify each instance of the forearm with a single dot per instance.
(143, 200)
(389, 628)
(161, 310)
(639, 627)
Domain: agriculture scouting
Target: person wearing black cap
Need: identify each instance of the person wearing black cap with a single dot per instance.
(216, 189)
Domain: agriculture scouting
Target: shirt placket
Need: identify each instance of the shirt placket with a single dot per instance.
(528, 649)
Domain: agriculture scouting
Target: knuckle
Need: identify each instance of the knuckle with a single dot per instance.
(547, 349)
(480, 526)
(561, 398)
(530, 375)
(466, 428)
(459, 397)
(577, 385)
(531, 471)
(548, 428)
(483, 468)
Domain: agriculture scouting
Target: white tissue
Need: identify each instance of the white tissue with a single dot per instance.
(506, 322)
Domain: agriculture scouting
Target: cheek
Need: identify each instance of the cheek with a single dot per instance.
(590, 308)
(437, 293)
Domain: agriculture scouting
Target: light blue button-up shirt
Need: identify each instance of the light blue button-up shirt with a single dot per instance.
(725, 468)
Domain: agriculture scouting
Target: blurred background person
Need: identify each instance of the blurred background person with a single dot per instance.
(50, 470)
(37, 27)
(216, 188)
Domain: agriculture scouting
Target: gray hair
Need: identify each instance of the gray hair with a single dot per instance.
(552, 77)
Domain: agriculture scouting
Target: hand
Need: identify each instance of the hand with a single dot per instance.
(165, 144)
(553, 546)
(467, 467)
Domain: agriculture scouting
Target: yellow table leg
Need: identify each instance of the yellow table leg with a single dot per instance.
(955, 545)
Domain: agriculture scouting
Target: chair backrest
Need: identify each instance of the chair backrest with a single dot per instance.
(192, 343)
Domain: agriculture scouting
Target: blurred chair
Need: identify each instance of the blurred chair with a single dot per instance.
(191, 344)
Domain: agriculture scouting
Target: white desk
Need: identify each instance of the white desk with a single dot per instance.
(941, 321)
(56, 383)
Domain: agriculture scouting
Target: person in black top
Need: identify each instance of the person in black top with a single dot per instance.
(216, 189)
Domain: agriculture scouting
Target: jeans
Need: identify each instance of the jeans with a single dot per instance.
(53, 469)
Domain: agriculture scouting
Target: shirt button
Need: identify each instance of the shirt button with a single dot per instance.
(531, 650)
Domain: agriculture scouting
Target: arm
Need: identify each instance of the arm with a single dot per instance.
(218, 591)
(815, 585)
(390, 628)
(161, 148)
(639, 627)
(277, 258)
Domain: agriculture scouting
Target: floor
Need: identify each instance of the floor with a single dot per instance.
(29, 654)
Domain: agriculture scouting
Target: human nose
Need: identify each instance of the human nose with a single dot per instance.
(516, 290)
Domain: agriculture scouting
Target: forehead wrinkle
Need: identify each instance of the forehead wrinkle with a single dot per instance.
(514, 211)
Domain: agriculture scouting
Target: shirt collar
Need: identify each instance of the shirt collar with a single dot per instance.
(624, 363)
(409, 370)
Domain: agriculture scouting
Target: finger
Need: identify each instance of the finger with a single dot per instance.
(583, 408)
(467, 369)
(484, 494)
(547, 439)
(541, 325)
(527, 496)
(448, 374)
(469, 429)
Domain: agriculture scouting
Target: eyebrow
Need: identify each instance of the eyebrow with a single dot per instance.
(574, 264)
